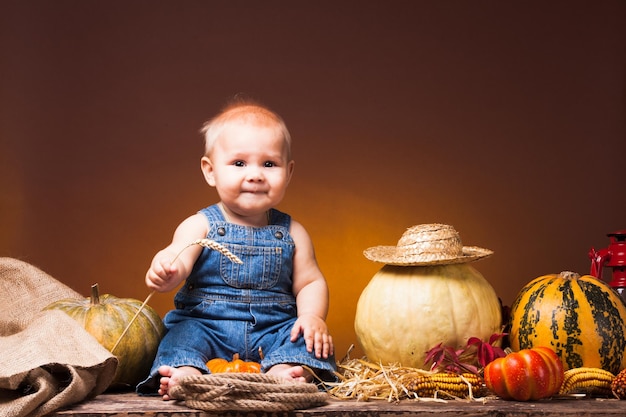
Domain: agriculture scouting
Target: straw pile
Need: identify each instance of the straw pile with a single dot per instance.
(362, 380)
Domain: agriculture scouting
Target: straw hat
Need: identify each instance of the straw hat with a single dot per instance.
(427, 244)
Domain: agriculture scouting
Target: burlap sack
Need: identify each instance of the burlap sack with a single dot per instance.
(47, 360)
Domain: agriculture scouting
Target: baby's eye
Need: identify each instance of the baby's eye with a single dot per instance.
(239, 163)
(269, 164)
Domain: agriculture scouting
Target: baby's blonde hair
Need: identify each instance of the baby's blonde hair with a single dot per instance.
(247, 112)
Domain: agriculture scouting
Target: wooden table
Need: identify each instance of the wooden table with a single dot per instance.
(130, 404)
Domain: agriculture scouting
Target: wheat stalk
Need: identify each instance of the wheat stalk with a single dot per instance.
(207, 243)
(211, 244)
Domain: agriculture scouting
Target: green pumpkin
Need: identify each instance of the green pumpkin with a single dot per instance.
(106, 317)
(580, 317)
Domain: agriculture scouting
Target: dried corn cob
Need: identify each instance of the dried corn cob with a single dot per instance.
(590, 381)
(618, 386)
(443, 384)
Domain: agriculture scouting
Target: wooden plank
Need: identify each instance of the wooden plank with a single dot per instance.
(130, 404)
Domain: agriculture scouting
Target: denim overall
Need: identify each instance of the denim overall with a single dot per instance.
(225, 308)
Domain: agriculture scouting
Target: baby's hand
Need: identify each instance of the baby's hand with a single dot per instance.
(315, 333)
(162, 276)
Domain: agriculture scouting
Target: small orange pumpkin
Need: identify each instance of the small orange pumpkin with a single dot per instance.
(218, 365)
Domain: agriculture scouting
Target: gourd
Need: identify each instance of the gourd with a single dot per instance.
(218, 365)
(580, 317)
(106, 317)
(406, 310)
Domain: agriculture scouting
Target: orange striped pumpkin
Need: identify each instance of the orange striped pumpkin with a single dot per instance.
(580, 317)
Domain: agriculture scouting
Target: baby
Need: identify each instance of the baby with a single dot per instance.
(276, 301)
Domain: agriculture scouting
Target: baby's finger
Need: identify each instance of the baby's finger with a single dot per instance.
(295, 332)
(158, 270)
(171, 269)
(331, 346)
(321, 345)
(166, 268)
(324, 347)
(309, 339)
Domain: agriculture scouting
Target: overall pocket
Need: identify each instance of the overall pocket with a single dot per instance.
(189, 303)
(260, 269)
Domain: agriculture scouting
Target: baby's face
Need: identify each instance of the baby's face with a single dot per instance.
(250, 169)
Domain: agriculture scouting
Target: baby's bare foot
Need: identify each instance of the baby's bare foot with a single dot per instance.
(171, 376)
(293, 373)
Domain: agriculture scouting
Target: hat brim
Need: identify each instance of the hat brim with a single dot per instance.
(391, 256)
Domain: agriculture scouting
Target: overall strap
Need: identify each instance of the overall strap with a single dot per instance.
(278, 218)
(213, 214)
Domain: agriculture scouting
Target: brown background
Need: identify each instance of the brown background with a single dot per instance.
(504, 119)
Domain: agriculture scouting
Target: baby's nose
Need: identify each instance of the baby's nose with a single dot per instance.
(255, 174)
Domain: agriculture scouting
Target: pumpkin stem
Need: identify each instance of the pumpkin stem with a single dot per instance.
(95, 295)
(235, 356)
(569, 275)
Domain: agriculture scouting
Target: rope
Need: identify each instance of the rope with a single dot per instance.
(246, 392)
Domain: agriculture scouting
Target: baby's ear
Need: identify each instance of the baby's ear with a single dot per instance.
(290, 167)
(207, 170)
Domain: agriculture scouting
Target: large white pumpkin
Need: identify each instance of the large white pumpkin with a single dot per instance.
(406, 310)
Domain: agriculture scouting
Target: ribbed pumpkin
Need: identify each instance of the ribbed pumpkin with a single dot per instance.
(105, 317)
(218, 365)
(580, 317)
(406, 310)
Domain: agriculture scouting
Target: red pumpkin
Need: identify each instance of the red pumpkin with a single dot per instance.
(530, 374)
(218, 365)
